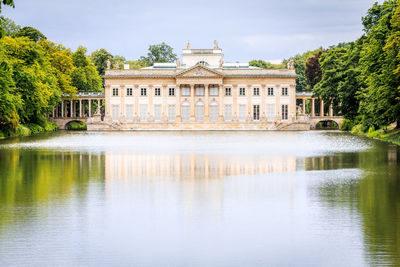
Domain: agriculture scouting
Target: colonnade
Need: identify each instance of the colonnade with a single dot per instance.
(313, 102)
(75, 108)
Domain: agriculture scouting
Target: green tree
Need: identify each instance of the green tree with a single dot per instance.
(32, 33)
(9, 27)
(100, 58)
(265, 64)
(137, 64)
(2, 19)
(313, 70)
(85, 76)
(159, 53)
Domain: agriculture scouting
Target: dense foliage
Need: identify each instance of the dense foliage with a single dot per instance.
(34, 73)
(265, 64)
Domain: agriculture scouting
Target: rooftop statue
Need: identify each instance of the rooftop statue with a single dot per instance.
(290, 64)
(216, 45)
(188, 45)
(108, 64)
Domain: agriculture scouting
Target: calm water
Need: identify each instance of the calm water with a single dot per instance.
(199, 199)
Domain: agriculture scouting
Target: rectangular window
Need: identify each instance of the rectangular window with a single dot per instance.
(270, 112)
(185, 91)
(242, 112)
(284, 112)
(115, 92)
(213, 91)
(242, 91)
(284, 91)
(270, 91)
(228, 112)
(143, 91)
(129, 112)
(256, 112)
(143, 112)
(129, 92)
(256, 91)
(228, 92)
(199, 91)
(171, 112)
(214, 112)
(157, 91)
(185, 112)
(115, 112)
(157, 112)
(171, 91)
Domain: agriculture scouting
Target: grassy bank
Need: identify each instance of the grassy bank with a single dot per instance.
(28, 129)
(391, 134)
(76, 126)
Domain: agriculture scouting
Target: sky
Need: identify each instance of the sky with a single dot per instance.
(245, 29)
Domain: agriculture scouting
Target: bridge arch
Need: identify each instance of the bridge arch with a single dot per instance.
(336, 121)
(75, 124)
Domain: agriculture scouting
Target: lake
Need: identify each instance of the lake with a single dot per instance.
(316, 198)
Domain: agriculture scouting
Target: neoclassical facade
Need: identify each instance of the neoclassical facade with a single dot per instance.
(200, 92)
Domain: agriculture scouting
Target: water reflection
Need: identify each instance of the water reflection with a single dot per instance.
(124, 203)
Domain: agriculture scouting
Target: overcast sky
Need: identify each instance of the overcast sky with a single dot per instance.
(245, 29)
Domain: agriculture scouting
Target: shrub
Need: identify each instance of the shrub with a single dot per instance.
(34, 128)
(76, 126)
(22, 130)
(51, 126)
(2, 135)
(347, 125)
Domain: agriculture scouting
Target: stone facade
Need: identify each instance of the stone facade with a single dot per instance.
(200, 92)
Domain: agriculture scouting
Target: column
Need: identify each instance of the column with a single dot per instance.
(192, 91)
(70, 108)
(62, 108)
(321, 111)
(221, 102)
(90, 108)
(80, 108)
(277, 92)
(136, 94)
(107, 103)
(331, 110)
(57, 110)
(249, 94)
(178, 103)
(164, 97)
(206, 103)
(98, 107)
(54, 112)
(312, 107)
(263, 108)
(235, 104)
(150, 107)
(122, 97)
(304, 106)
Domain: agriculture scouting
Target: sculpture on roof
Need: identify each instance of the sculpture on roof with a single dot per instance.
(117, 65)
(221, 62)
(290, 64)
(216, 45)
(108, 64)
(178, 63)
(188, 45)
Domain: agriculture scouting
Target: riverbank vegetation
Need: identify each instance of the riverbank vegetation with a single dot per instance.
(76, 126)
(34, 74)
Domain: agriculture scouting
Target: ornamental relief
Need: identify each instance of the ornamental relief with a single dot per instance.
(200, 72)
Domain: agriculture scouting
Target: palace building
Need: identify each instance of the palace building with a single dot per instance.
(200, 91)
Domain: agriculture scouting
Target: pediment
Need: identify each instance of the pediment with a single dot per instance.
(199, 71)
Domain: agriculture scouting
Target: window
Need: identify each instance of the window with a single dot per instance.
(228, 112)
(115, 92)
(270, 91)
(171, 112)
(129, 92)
(115, 112)
(129, 112)
(157, 91)
(284, 91)
(284, 112)
(214, 111)
(157, 112)
(228, 92)
(185, 91)
(199, 91)
(242, 112)
(199, 111)
(171, 91)
(256, 112)
(213, 91)
(143, 112)
(256, 91)
(242, 91)
(185, 111)
(270, 112)
(143, 92)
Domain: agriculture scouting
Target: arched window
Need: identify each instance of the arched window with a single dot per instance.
(185, 111)
(199, 111)
(213, 111)
(203, 63)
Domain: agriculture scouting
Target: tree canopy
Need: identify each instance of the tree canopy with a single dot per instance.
(32, 33)
(159, 53)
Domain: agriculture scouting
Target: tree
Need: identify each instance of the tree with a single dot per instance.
(137, 64)
(85, 76)
(100, 58)
(32, 33)
(2, 19)
(159, 53)
(313, 70)
(380, 105)
(265, 64)
(9, 27)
